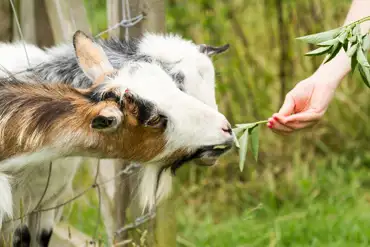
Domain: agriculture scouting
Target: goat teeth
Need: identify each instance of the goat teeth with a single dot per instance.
(219, 147)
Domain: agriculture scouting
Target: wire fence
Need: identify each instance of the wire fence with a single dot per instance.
(131, 170)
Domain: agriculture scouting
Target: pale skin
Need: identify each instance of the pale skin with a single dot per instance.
(308, 101)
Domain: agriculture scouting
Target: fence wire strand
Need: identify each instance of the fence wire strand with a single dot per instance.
(132, 169)
(20, 31)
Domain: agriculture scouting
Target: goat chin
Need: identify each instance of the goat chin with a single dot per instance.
(6, 202)
(150, 192)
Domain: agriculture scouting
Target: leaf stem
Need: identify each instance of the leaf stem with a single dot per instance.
(367, 18)
(261, 122)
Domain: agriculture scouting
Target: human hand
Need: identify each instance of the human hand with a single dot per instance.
(304, 105)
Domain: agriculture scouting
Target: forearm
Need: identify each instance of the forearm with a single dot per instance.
(336, 69)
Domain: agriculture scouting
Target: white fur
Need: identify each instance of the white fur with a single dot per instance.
(6, 205)
(197, 67)
(191, 124)
(14, 59)
(199, 82)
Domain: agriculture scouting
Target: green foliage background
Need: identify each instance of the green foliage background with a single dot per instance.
(309, 189)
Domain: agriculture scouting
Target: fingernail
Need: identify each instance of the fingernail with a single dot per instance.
(276, 118)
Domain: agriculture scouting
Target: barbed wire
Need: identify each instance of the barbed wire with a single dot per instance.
(20, 31)
(124, 23)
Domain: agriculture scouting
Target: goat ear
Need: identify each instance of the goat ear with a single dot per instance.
(212, 50)
(91, 57)
(108, 119)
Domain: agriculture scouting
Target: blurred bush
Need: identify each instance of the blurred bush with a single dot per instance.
(263, 63)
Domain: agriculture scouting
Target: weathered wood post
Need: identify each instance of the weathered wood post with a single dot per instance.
(164, 233)
(5, 21)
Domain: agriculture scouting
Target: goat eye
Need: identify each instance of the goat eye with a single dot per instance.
(157, 121)
(154, 120)
(111, 95)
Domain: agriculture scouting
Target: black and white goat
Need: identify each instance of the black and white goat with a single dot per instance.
(188, 64)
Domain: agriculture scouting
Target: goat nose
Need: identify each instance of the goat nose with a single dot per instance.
(226, 128)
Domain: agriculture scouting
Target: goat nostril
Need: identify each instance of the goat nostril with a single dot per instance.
(227, 128)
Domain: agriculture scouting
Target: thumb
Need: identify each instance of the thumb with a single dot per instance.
(288, 106)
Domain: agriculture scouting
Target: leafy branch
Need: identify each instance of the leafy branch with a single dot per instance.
(247, 131)
(348, 37)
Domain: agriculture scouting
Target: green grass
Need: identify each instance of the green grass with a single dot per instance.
(330, 208)
(312, 189)
(339, 221)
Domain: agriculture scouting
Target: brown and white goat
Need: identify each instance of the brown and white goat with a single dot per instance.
(143, 117)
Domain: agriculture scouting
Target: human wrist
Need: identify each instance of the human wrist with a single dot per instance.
(333, 72)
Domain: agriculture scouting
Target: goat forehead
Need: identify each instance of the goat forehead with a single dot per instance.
(145, 78)
(168, 48)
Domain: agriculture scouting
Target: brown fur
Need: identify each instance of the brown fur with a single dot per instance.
(34, 116)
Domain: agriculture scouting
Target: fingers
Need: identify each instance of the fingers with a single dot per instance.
(276, 124)
(286, 125)
(308, 116)
(288, 106)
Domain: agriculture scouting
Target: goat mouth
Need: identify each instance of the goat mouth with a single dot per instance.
(204, 156)
(208, 155)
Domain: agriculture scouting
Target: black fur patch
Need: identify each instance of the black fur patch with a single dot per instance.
(22, 237)
(44, 237)
(64, 68)
(47, 113)
(146, 109)
(179, 79)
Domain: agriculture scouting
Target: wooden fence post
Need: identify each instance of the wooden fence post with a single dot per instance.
(65, 17)
(164, 235)
(5, 21)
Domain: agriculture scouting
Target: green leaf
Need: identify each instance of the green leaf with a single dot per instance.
(245, 126)
(345, 45)
(320, 37)
(353, 64)
(365, 74)
(235, 139)
(334, 52)
(255, 141)
(237, 130)
(243, 149)
(318, 51)
(356, 30)
(366, 42)
(361, 58)
(352, 50)
(353, 39)
(342, 37)
(329, 42)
